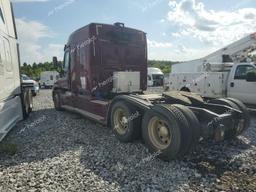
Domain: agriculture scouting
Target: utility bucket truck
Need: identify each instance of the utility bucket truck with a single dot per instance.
(15, 98)
(103, 78)
(224, 73)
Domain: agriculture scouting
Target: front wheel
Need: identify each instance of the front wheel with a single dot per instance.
(57, 101)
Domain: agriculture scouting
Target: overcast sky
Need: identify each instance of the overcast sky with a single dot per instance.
(177, 30)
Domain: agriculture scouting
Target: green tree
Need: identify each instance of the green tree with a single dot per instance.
(34, 70)
(165, 66)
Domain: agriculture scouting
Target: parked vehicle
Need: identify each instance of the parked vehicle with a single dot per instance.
(239, 83)
(155, 77)
(26, 81)
(48, 78)
(221, 74)
(15, 99)
(106, 84)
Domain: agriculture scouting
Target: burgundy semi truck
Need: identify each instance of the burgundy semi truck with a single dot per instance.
(104, 78)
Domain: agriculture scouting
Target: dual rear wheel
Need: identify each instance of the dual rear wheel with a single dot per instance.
(171, 131)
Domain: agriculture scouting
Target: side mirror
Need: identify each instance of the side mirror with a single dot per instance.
(58, 65)
(251, 77)
(55, 62)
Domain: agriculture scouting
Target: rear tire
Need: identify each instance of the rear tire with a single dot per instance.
(246, 113)
(164, 130)
(194, 125)
(125, 121)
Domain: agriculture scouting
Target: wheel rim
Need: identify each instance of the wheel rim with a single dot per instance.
(159, 133)
(120, 121)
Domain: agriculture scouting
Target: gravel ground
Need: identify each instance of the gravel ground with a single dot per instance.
(60, 151)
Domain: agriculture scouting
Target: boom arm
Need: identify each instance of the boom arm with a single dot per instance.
(236, 51)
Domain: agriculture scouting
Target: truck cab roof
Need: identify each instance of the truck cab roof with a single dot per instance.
(96, 29)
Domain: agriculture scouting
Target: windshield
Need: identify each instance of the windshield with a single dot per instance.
(122, 35)
(158, 77)
(25, 77)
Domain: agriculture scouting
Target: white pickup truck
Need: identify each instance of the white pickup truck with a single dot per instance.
(223, 73)
(238, 82)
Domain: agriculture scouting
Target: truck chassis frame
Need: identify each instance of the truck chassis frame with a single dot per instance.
(195, 118)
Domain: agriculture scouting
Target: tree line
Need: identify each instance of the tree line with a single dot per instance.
(165, 66)
(34, 70)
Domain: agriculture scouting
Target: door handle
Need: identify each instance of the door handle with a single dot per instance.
(232, 84)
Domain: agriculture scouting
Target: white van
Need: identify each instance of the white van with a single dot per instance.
(15, 99)
(155, 77)
(48, 78)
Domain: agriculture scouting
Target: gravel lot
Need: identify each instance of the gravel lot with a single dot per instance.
(60, 151)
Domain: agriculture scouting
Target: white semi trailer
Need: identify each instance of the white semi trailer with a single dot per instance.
(15, 99)
(224, 73)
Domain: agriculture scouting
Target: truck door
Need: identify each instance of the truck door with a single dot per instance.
(238, 87)
(81, 86)
(65, 81)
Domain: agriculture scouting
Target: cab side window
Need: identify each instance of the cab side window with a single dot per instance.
(242, 71)
(66, 61)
